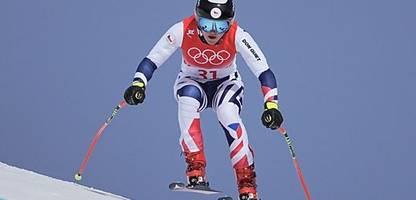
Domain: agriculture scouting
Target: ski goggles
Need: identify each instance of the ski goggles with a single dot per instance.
(210, 25)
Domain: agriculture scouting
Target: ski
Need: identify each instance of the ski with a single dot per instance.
(182, 187)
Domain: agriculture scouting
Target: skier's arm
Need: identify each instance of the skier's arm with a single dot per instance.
(164, 48)
(257, 63)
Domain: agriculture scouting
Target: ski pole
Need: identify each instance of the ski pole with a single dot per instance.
(78, 176)
(295, 162)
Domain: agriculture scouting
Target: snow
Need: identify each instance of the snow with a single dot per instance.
(20, 184)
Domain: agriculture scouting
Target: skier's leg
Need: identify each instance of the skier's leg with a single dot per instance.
(191, 100)
(228, 104)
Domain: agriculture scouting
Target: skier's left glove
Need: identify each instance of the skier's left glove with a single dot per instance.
(272, 118)
(135, 94)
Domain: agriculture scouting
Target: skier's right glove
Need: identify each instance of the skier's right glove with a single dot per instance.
(135, 94)
(271, 118)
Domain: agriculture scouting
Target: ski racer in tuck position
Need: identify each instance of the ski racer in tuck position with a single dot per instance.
(209, 41)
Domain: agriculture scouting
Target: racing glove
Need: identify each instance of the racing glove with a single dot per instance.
(271, 118)
(135, 94)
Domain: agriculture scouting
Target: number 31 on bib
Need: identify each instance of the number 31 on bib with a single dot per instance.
(209, 75)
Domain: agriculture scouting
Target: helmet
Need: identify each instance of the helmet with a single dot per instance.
(215, 9)
(214, 15)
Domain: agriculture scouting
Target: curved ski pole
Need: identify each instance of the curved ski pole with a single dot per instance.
(97, 136)
(295, 162)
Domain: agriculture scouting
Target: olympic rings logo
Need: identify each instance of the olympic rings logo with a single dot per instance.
(208, 56)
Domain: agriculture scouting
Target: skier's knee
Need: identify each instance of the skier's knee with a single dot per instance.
(227, 109)
(191, 91)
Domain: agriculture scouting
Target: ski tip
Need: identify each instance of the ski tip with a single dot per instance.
(176, 185)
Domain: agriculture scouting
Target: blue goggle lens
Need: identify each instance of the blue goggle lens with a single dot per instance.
(209, 25)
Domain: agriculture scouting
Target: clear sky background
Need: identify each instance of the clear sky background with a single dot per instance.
(346, 72)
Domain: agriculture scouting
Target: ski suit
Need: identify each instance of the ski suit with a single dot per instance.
(209, 78)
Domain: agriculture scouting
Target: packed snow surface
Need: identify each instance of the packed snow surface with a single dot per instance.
(19, 184)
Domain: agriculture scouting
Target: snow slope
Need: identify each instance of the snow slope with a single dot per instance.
(19, 184)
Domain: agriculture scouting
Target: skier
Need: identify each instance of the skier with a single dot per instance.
(210, 40)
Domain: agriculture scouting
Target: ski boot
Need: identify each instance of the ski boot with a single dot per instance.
(196, 169)
(246, 180)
